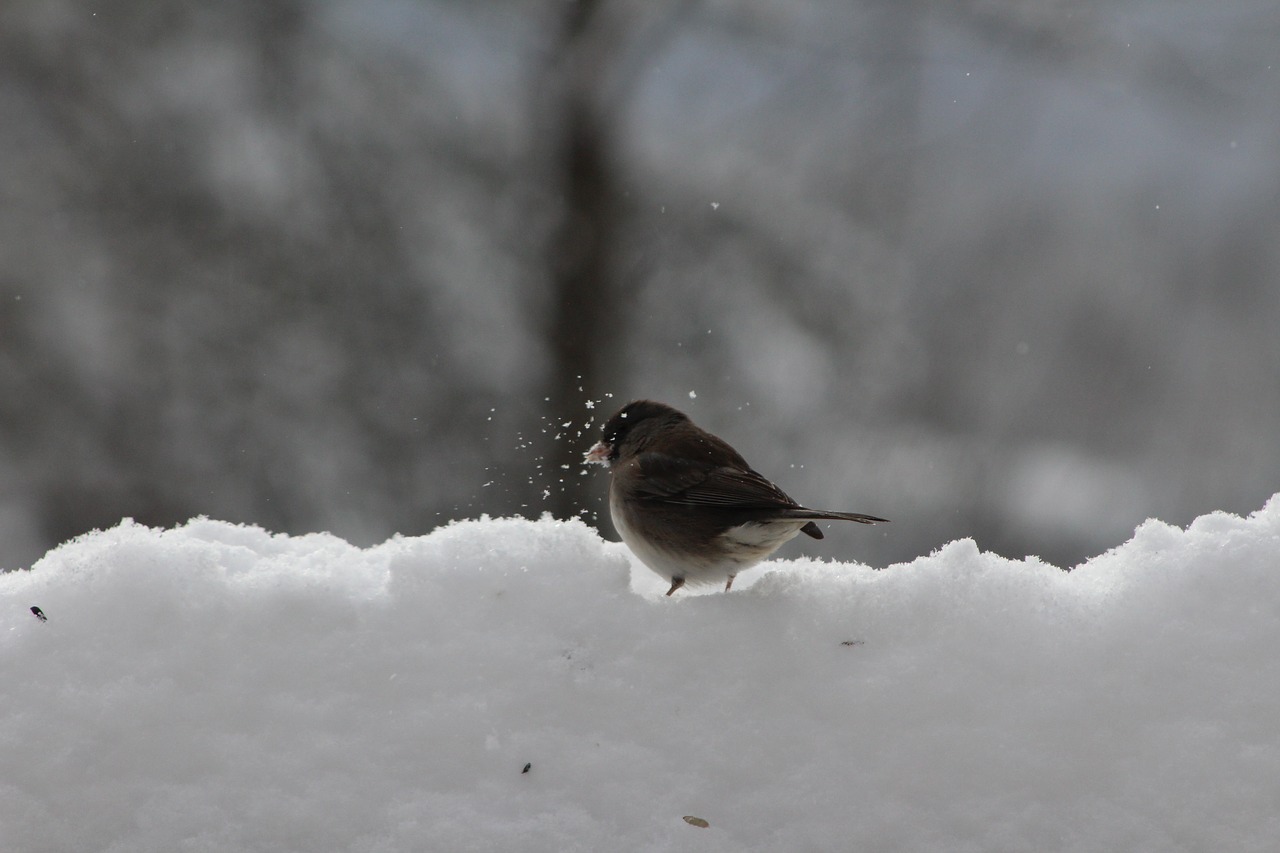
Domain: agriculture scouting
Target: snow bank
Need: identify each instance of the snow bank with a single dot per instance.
(215, 687)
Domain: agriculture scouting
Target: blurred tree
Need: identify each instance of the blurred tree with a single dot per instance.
(597, 58)
(999, 269)
(584, 303)
(260, 340)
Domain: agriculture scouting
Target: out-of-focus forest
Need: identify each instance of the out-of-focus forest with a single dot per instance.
(989, 268)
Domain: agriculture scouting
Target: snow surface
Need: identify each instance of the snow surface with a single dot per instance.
(218, 688)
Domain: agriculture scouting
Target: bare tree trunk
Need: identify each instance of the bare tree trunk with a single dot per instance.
(583, 331)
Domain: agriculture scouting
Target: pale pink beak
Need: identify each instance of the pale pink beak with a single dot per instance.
(599, 454)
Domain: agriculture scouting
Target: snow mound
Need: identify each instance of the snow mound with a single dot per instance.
(215, 687)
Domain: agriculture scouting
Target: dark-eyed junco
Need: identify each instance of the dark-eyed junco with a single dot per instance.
(688, 505)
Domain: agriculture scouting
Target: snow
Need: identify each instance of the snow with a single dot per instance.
(215, 687)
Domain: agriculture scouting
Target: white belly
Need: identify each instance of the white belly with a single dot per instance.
(737, 549)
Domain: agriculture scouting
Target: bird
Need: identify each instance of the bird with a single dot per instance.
(688, 505)
(39, 614)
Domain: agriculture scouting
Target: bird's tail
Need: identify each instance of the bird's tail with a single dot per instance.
(813, 530)
(805, 512)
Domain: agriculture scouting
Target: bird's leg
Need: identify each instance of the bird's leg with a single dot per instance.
(676, 583)
(729, 582)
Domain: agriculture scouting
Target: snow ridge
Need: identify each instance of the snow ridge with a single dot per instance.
(217, 687)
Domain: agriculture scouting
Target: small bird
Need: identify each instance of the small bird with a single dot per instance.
(688, 505)
(39, 614)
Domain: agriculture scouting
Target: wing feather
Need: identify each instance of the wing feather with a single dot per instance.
(694, 483)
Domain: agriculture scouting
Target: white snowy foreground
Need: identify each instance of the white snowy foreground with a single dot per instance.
(218, 688)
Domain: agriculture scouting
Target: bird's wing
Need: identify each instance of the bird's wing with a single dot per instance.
(695, 483)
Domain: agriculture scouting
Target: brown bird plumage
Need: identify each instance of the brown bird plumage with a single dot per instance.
(688, 505)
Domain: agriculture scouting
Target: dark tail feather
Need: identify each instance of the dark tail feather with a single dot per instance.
(812, 529)
(805, 512)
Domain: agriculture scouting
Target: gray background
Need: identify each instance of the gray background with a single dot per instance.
(990, 268)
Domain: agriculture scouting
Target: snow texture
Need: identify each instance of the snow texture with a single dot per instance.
(218, 688)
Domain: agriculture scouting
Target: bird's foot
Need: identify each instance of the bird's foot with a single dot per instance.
(676, 583)
(729, 582)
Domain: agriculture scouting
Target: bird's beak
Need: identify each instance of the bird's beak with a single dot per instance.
(599, 454)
